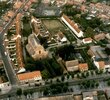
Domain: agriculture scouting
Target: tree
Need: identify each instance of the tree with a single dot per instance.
(89, 32)
(107, 50)
(45, 74)
(25, 92)
(78, 76)
(83, 75)
(68, 76)
(31, 92)
(92, 72)
(88, 84)
(87, 74)
(19, 92)
(51, 81)
(45, 92)
(65, 88)
(59, 89)
(57, 80)
(96, 84)
(92, 85)
(54, 91)
(63, 78)
(108, 82)
(30, 67)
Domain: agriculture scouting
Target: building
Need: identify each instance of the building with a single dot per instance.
(64, 97)
(72, 25)
(35, 50)
(38, 28)
(83, 67)
(17, 5)
(61, 37)
(108, 94)
(79, 1)
(3, 0)
(97, 53)
(34, 76)
(72, 65)
(90, 95)
(87, 40)
(44, 10)
(99, 37)
(100, 65)
(78, 97)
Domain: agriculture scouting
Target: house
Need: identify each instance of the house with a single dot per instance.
(72, 25)
(90, 95)
(97, 53)
(78, 97)
(29, 77)
(63, 97)
(87, 40)
(83, 67)
(107, 36)
(100, 65)
(10, 14)
(17, 5)
(99, 37)
(107, 94)
(72, 65)
(62, 37)
(34, 48)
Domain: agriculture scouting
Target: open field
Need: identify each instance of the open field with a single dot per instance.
(53, 25)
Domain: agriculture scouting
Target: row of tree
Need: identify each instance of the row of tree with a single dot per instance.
(89, 84)
(20, 92)
(56, 89)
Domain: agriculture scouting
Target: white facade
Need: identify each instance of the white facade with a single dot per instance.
(86, 42)
(98, 66)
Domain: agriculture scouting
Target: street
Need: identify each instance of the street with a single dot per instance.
(5, 57)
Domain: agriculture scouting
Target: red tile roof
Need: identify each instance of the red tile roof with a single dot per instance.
(83, 67)
(71, 23)
(29, 75)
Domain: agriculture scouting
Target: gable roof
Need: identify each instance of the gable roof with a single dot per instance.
(72, 23)
(29, 75)
(88, 39)
(71, 63)
(101, 64)
(83, 66)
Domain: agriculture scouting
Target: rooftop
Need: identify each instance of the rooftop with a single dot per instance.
(97, 52)
(65, 97)
(101, 64)
(72, 23)
(83, 67)
(29, 75)
(88, 39)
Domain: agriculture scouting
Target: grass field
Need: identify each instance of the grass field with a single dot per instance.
(53, 25)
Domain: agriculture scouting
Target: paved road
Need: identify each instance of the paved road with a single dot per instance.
(7, 64)
(71, 83)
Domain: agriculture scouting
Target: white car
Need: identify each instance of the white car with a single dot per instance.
(5, 53)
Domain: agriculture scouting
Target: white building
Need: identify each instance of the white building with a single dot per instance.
(87, 40)
(73, 26)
